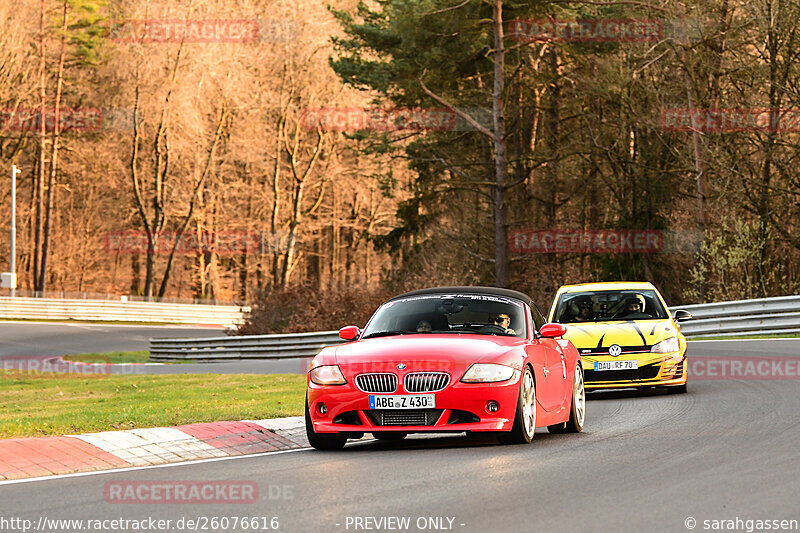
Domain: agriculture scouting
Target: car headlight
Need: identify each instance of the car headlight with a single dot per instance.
(487, 373)
(666, 346)
(327, 375)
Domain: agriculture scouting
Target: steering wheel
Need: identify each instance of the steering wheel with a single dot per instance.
(494, 329)
(619, 313)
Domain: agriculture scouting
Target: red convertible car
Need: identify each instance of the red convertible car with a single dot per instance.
(452, 359)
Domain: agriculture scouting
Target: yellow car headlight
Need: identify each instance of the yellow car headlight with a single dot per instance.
(666, 346)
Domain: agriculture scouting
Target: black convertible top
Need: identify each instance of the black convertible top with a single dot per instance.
(495, 291)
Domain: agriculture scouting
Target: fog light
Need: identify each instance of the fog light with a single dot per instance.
(322, 408)
(492, 406)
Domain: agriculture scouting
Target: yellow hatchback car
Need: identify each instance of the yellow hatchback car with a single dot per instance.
(624, 333)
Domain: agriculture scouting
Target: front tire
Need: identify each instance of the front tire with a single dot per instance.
(322, 441)
(577, 411)
(525, 417)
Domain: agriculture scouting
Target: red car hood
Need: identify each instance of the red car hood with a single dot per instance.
(445, 352)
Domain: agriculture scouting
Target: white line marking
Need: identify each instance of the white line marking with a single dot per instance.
(134, 468)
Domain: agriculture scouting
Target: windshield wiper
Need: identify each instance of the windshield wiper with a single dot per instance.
(384, 334)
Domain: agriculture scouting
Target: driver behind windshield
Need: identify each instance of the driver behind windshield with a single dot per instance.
(503, 320)
(633, 306)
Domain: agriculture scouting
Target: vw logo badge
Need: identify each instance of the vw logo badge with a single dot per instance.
(614, 350)
(401, 366)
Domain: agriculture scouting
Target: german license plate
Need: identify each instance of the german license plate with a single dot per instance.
(402, 401)
(600, 366)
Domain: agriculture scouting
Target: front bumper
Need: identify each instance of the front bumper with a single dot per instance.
(459, 407)
(665, 370)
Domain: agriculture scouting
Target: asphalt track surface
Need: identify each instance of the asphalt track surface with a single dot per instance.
(646, 461)
(44, 342)
(57, 338)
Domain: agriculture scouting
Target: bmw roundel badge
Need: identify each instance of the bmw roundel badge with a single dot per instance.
(401, 366)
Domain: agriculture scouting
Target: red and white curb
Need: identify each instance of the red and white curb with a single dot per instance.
(32, 457)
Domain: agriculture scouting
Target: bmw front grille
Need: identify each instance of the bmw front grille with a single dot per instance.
(377, 382)
(426, 381)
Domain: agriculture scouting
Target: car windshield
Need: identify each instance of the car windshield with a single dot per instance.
(603, 306)
(484, 314)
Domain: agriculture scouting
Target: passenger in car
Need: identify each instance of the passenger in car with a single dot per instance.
(585, 309)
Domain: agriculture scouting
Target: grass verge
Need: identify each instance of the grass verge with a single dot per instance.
(110, 357)
(39, 404)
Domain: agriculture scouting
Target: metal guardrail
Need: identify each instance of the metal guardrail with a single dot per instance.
(292, 345)
(743, 317)
(767, 315)
(120, 311)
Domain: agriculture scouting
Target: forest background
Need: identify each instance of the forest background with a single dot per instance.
(311, 159)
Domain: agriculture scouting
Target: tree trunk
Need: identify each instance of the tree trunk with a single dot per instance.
(136, 275)
(334, 251)
(276, 204)
(291, 240)
(552, 139)
(40, 177)
(51, 181)
(500, 224)
(697, 145)
(150, 266)
(200, 263)
(764, 201)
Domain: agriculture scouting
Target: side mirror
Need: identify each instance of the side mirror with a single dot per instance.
(553, 330)
(349, 333)
(681, 315)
